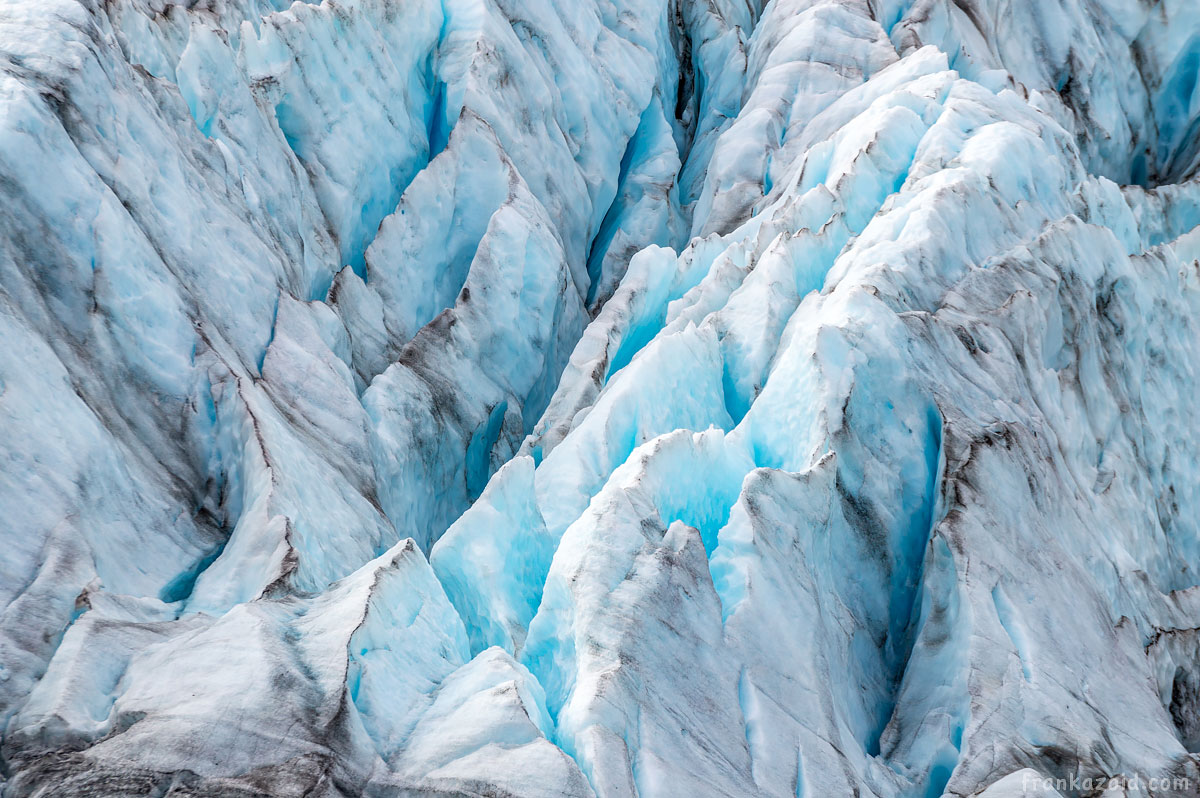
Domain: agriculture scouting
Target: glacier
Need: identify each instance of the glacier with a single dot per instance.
(599, 398)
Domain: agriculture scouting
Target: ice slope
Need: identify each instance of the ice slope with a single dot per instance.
(607, 398)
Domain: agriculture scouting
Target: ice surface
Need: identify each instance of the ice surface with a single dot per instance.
(625, 398)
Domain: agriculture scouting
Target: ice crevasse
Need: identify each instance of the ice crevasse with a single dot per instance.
(599, 398)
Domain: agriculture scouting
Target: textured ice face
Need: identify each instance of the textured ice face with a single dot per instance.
(637, 397)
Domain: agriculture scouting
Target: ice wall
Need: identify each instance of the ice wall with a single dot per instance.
(614, 398)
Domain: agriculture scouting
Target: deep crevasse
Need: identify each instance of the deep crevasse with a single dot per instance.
(804, 393)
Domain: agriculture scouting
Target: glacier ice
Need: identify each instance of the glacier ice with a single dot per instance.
(599, 398)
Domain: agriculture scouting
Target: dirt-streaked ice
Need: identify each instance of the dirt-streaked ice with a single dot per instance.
(599, 398)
